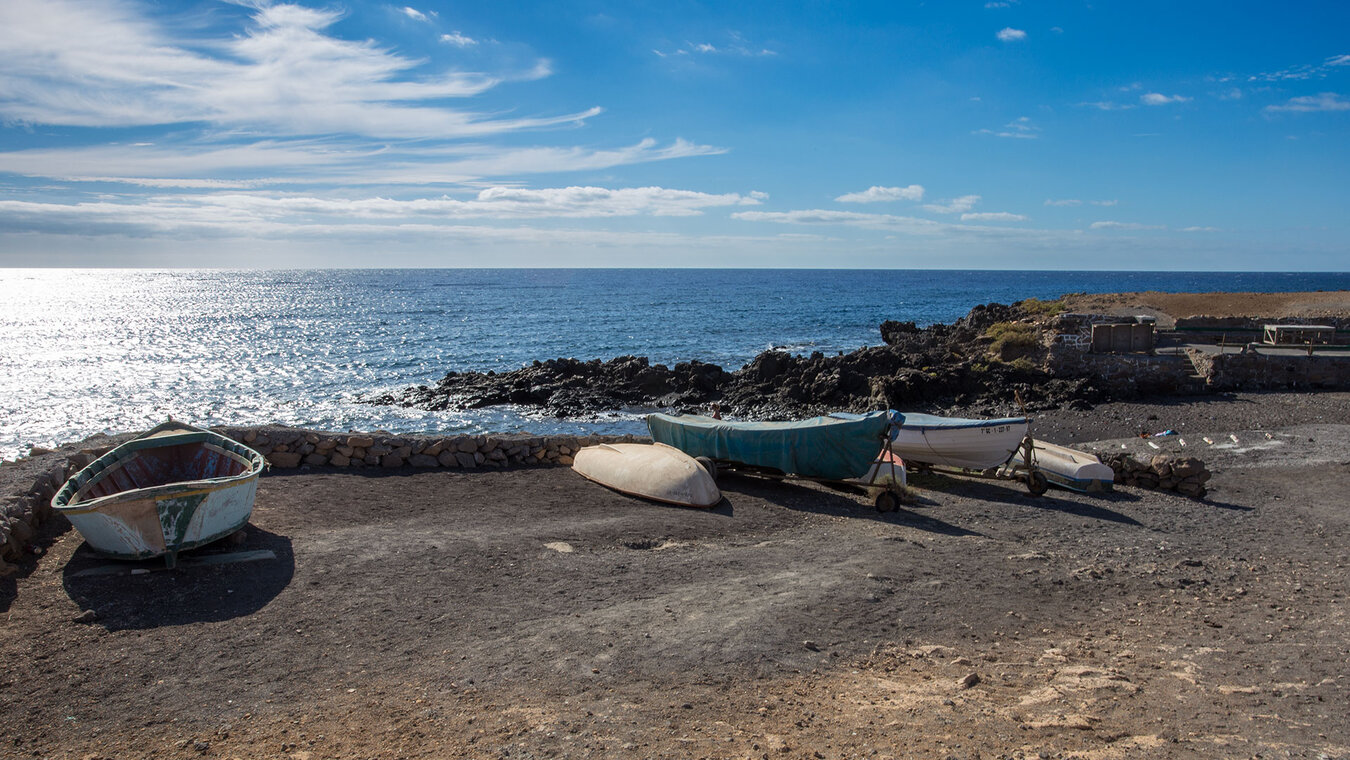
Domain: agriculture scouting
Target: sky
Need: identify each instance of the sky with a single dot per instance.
(998, 134)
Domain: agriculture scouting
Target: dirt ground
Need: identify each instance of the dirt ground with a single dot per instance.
(1169, 307)
(529, 613)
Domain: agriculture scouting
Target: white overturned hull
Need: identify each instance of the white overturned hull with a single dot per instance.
(1070, 468)
(650, 471)
(956, 442)
(175, 488)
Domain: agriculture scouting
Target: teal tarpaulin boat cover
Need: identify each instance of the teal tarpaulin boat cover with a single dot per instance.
(831, 448)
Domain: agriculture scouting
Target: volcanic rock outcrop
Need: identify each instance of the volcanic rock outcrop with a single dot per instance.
(985, 357)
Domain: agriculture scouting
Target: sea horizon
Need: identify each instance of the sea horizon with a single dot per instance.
(119, 349)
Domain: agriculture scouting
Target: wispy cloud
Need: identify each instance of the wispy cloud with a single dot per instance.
(1009, 34)
(1159, 99)
(953, 206)
(1020, 128)
(993, 216)
(458, 40)
(1326, 101)
(1129, 226)
(415, 14)
(1077, 202)
(101, 65)
(1107, 105)
(1200, 229)
(1303, 72)
(735, 45)
(239, 214)
(326, 162)
(877, 194)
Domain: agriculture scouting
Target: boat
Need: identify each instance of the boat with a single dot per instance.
(1070, 468)
(650, 471)
(174, 488)
(886, 470)
(832, 447)
(955, 441)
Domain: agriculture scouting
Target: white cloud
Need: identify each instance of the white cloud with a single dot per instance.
(1123, 226)
(100, 64)
(241, 214)
(1326, 101)
(1159, 99)
(1108, 105)
(1020, 128)
(415, 14)
(1104, 203)
(736, 45)
(876, 194)
(1303, 72)
(1232, 93)
(1009, 34)
(1065, 202)
(324, 162)
(993, 216)
(954, 206)
(1199, 229)
(458, 40)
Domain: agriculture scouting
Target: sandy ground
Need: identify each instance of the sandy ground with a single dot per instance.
(1169, 307)
(529, 613)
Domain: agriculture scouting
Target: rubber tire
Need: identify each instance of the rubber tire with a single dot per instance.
(887, 501)
(1037, 483)
(708, 465)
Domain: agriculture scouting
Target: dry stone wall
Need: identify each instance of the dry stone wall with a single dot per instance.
(1252, 370)
(1164, 472)
(21, 514)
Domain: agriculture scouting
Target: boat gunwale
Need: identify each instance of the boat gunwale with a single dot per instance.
(156, 438)
(966, 423)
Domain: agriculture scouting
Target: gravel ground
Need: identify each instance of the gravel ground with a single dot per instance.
(530, 613)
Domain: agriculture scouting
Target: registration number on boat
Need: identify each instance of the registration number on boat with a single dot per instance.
(996, 429)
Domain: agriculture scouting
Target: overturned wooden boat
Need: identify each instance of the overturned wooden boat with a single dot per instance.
(1070, 468)
(651, 471)
(177, 487)
(955, 441)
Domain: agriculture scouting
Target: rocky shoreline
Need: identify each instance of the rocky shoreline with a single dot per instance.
(999, 359)
(987, 357)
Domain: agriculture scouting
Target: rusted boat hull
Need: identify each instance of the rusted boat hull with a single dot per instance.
(175, 488)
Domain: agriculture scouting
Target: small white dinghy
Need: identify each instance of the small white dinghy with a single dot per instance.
(1070, 468)
(955, 441)
(652, 471)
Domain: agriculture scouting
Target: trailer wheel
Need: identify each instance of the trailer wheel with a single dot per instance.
(887, 501)
(708, 465)
(1037, 483)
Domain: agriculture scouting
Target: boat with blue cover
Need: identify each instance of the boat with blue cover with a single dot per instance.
(831, 448)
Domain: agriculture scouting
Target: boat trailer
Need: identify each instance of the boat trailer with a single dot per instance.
(1027, 471)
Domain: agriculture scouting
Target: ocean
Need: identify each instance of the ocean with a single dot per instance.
(114, 350)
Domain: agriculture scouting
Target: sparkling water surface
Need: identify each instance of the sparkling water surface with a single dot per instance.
(87, 351)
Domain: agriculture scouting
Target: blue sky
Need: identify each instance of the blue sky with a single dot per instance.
(999, 134)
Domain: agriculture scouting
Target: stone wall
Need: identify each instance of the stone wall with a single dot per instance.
(1164, 472)
(290, 448)
(1252, 370)
(1125, 374)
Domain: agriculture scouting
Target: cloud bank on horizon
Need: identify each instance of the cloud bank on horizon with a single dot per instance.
(365, 134)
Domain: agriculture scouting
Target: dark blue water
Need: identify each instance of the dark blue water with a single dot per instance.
(114, 350)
